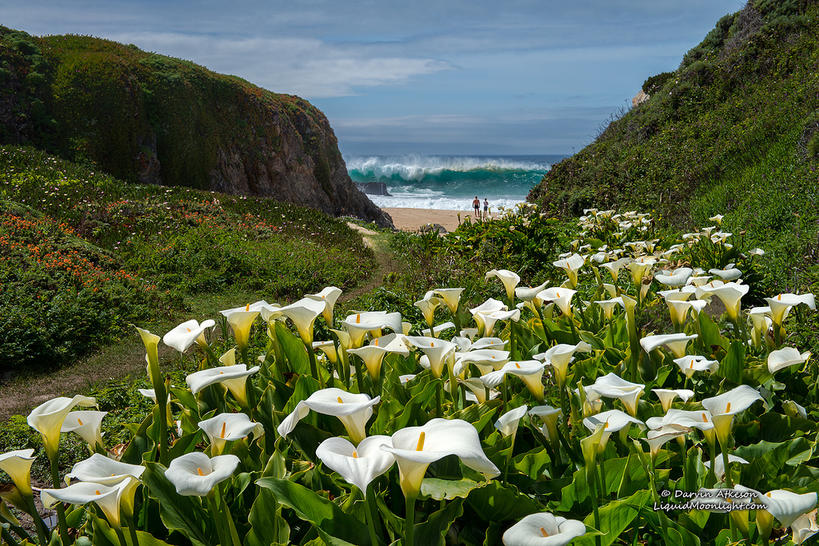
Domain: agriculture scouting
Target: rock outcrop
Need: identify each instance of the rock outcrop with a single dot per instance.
(147, 118)
(639, 99)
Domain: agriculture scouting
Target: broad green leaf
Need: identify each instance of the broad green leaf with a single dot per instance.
(335, 526)
(710, 337)
(436, 525)
(733, 364)
(615, 517)
(267, 526)
(293, 349)
(498, 502)
(104, 535)
(179, 513)
(440, 489)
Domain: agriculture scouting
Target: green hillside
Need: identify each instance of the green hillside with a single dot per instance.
(734, 130)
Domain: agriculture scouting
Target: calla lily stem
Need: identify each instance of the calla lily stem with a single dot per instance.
(371, 515)
(55, 480)
(39, 524)
(409, 523)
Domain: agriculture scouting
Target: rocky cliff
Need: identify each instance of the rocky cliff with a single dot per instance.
(148, 118)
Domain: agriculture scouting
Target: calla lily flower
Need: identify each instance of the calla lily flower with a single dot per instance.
(450, 296)
(549, 416)
(107, 497)
(184, 335)
(674, 279)
(359, 325)
(560, 356)
(693, 419)
(667, 396)
(489, 319)
(196, 474)
(507, 423)
(485, 308)
(781, 304)
(639, 267)
(428, 305)
(562, 297)
(656, 438)
(730, 294)
(328, 348)
(353, 410)
(493, 343)
(614, 267)
(727, 274)
(373, 354)
(679, 309)
(529, 371)
(543, 529)
(761, 323)
(611, 421)
(609, 306)
(784, 358)
(719, 464)
(414, 448)
(232, 377)
(612, 386)
(485, 359)
(510, 280)
(17, 464)
(241, 320)
(693, 363)
(438, 329)
(101, 469)
(477, 389)
(404, 379)
(228, 427)
(436, 350)
(303, 314)
(804, 527)
(786, 506)
(357, 465)
(329, 296)
(726, 405)
(48, 417)
(86, 424)
(676, 343)
(470, 333)
(571, 266)
(529, 294)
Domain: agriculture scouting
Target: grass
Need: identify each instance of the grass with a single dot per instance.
(98, 254)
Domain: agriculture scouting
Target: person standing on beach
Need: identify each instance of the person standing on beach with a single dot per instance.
(485, 208)
(476, 204)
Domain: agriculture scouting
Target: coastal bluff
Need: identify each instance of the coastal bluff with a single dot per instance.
(151, 119)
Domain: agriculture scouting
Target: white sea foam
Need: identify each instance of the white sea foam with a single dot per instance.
(438, 202)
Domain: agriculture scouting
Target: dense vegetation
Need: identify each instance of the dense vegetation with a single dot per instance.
(84, 254)
(734, 130)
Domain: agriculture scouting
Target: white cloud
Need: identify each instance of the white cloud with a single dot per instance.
(306, 67)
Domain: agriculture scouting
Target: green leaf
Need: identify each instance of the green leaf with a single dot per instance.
(710, 336)
(267, 526)
(498, 502)
(104, 535)
(732, 366)
(440, 489)
(293, 349)
(615, 517)
(178, 512)
(335, 526)
(435, 527)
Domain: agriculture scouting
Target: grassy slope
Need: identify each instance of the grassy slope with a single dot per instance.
(734, 130)
(94, 240)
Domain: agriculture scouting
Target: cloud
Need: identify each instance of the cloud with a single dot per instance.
(307, 67)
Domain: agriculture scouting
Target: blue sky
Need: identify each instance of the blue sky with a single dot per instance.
(447, 77)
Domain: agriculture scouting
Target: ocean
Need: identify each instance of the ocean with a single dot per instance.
(450, 182)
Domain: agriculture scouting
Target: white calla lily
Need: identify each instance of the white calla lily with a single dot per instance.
(543, 529)
(719, 464)
(232, 377)
(228, 427)
(508, 423)
(357, 465)
(561, 297)
(428, 305)
(676, 343)
(196, 474)
(529, 294)
(614, 267)
(560, 356)
(611, 421)
(241, 319)
(613, 386)
(415, 448)
(549, 417)
(188, 333)
(101, 469)
(786, 506)
(436, 350)
(656, 438)
(48, 417)
(353, 410)
(639, 267)
(690, 364)
(303, 315)
(782, 303)
(675, 278)
(729, 293)
(609, 305)
(510, 280)
(571, 266)
(485, 308)
(17, 464)
(726, 274)
(726, 405)
(486, 360)
(373, 354)
(107, 497)
(786, 357)
(86, 424)
(359, 325)
(438, 328)
(477, 389)
(529, 371)
(667, 396)
(450, 296)
(804, 527)
(328, 296)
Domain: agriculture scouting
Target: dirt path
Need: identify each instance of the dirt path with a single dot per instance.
(21, 393)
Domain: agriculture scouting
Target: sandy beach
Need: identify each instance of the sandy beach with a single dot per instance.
(412, 219)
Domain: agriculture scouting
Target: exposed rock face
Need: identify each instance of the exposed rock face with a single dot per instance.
(639, 99)
(147, 118)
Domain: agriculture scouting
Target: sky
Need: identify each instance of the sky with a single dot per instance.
(420, 76)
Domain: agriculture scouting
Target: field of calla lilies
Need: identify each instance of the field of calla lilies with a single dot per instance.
(638, 402)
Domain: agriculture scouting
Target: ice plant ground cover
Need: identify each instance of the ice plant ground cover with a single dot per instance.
(543, 416)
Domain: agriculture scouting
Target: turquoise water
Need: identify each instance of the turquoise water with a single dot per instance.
(450, 182)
